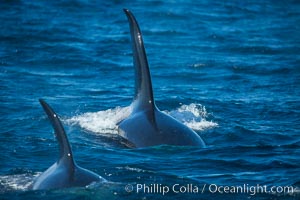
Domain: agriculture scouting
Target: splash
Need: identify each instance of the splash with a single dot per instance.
(102, 121)
(194, 116)
(20, 182)
(105, 122)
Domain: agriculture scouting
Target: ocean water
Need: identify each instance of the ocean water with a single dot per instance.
(228, 69)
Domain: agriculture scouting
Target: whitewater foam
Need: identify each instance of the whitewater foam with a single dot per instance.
(20, 182)
(105, 122)
(194, 116)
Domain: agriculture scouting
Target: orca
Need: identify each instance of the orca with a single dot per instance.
(65, 172)
(147, 125)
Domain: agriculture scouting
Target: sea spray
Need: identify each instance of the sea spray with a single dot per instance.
(105, 122)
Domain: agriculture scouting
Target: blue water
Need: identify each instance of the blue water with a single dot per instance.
(229, 70)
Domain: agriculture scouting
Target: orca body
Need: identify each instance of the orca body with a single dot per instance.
(147, 125)
(65, 172)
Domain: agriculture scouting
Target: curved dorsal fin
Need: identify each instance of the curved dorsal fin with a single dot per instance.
(143, 87)
(65, 152)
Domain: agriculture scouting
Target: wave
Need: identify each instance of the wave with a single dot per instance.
(105, 122)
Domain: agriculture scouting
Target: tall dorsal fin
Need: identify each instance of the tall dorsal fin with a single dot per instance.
(143, 86)
(65, 152)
